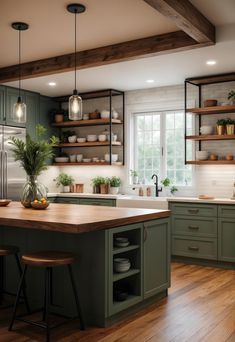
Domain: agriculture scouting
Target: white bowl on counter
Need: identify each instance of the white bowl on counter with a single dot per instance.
(206, 129)
(81, 140)
(72, 138)
(202, 155)
(91, 137)
(114, 157)
(61, 159)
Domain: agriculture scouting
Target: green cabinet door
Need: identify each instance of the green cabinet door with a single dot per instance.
(46, 106)
(226, 239)
(156, 256)
(32, 103)
(98, 201)
(2, 105)
(11, 97)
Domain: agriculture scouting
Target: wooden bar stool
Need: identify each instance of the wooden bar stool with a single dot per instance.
(6, 251)
(48, 260)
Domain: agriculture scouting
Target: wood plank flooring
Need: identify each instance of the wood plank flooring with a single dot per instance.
(200, 308)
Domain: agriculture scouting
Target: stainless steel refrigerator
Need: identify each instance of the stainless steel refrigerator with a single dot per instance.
(12, 176)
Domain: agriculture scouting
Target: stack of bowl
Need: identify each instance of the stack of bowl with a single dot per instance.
(121, 265)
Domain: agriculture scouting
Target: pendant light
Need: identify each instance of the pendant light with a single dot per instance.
(75, 101)
(19, 108)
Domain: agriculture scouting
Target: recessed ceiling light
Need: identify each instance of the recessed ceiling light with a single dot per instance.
(211, 62)
(52, 84)
(150, 81)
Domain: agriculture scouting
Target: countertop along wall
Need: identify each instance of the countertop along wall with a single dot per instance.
(212, 180)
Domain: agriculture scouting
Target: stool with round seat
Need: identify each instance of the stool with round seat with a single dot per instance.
(6, 251)
(47, 260)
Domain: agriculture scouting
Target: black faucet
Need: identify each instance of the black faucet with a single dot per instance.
(156, 185)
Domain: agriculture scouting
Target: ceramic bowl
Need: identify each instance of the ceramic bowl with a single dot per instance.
(79, 158)
(85, 117)
(95, 159)
(61, 159)
(104, 114)
(121, 242)
(202, 155)
(92, 137)
(102, 137)
(206, 129)
(86, 160)
(72, 158)
(114, 157)
(121, 265)
(81, 140)
(4, 202)
(72, 138)
(115, 114)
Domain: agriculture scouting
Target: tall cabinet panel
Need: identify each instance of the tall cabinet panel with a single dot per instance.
(11, 96)
(32, 103)
(2, 104)
(156, 257)
(46, 105)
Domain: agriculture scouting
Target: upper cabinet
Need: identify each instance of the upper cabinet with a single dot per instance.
(32, 101)
(211, 123)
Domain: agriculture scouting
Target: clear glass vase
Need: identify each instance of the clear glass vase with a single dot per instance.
(33, 190)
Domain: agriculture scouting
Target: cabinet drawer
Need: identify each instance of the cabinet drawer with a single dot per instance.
(193, 209)
(194, 226)
(67, 200)
(226, 211)
(195, 247)
(98, 201)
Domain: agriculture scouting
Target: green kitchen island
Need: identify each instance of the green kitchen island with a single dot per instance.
(89, 232)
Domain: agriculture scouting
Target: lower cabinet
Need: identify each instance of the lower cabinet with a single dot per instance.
(85, 201)
(226, 238)
(149, 254)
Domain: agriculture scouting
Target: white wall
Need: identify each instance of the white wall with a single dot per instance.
(212, 180)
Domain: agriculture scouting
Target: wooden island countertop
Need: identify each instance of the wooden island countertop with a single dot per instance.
(73, 218)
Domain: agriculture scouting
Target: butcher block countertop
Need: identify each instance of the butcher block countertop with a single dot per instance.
(73, 218)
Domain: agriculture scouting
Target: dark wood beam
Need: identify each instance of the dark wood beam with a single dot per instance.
(187, 18)
(126, 51)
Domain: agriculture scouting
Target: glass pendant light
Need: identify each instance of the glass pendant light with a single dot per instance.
(19, 108)
(75, 101)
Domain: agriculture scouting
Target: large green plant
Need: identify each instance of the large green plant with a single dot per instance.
(33, 154)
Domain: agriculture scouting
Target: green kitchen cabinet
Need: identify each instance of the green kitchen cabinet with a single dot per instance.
(11, 97)
(194, 226)
(156, 257)
(2, 105)
(32, 118)
(67, 200)
(46, 106)
(98, 201)
(226, 239)
(193, 209)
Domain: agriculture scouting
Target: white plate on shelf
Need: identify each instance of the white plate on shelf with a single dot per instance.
(61, 159)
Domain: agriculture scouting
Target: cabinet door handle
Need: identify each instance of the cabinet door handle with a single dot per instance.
(193, 211)
(193, 248)
(145, 233)
(193, 227)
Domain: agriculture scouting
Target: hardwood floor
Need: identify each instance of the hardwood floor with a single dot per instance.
(200, 307)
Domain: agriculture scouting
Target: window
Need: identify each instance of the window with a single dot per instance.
(159, 146)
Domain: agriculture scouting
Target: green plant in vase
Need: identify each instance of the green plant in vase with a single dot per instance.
(231, 97)
(65, 180)
(221, 123)
(115, 183)
(33, 156)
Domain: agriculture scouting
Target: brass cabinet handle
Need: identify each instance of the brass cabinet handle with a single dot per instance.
(193, 227)
(193, 248)
(193, 211)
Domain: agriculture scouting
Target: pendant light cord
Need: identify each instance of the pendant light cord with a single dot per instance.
(75, 56)
(19, 63)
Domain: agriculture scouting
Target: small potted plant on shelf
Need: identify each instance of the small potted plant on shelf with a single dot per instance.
(115, 183)
(65, 180)
(231, 97)
(96, 184)
(104, 185)
(229, 126)
(220, 127)
(134, 176)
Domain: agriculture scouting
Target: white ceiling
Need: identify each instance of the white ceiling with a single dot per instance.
(165, 70)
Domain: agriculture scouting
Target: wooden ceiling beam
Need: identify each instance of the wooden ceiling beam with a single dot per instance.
(126, 51)
(187, 18)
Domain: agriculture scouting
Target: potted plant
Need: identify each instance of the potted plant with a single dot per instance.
(173, 189)
(115, 183)
(65, 180)
(229, 126)
(231, 97)
(134, 176)
(167, 183)
(104, 185)
(33, 156)
(96, 184)
(221, 123)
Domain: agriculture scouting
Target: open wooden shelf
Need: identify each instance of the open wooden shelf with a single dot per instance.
(83, 164)
(86, 123)
(212, 110)
(210, 162)
(210, 137)
(90, 144)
